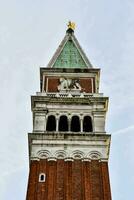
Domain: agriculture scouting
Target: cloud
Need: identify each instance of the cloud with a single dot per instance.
(124, 130)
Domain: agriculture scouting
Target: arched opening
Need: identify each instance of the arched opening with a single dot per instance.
(42, 177)
(75, 124)
(51, 123)
(63, 123)
(87, 124)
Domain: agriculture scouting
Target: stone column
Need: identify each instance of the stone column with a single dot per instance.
(57, 122)
(69, 123)
(81, 124)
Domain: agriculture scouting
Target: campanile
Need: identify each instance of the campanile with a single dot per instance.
(69, 147)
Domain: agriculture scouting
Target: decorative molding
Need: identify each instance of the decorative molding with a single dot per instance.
(95, 155)
(53, 146)
(60, 154)
(52, 159)
(43, 154)
(68, 155)
(77, 154)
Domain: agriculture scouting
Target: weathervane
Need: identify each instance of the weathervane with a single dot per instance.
(71, 25)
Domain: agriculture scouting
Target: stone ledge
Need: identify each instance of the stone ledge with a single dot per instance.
(74, 146)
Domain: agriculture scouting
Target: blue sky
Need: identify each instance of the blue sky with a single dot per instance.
(30, 31)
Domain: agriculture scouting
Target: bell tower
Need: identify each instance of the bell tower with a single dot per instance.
(69, 147)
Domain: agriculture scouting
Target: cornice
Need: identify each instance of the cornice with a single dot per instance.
(69, 100)
(69, 146)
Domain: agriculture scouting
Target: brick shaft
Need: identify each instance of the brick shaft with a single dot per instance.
(67, 180)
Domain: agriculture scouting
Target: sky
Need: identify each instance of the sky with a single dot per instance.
(30, 32)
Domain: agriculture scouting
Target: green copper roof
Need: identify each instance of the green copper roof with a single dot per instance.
(70, 57)
(69, 54)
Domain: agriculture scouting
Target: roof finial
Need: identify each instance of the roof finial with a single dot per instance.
(71, 27)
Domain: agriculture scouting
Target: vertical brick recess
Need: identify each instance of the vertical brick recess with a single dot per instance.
(86, 181)
(96, 182)
(31, 191)
(41, 186)
(60, 180)
(77, 180)
(51, 180)
(105, 180)
(70, 180)
(44, 185)
(38, 185)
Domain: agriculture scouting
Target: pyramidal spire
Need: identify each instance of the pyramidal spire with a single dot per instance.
(69, 53)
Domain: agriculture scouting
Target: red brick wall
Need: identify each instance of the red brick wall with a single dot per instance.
(60, 180)
(75, 180)
(87, 85)
(86, 170)
(96, 182)
(52, 84)
(105, 181)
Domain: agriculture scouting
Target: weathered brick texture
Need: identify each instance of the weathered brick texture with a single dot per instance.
(105, 181)
(69, 180)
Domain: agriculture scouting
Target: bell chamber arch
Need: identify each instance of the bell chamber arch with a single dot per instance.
(75, 124)
(51, 123)
(63, 123)
(87, 124)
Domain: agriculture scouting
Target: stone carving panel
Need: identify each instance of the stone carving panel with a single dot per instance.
(67, 84)
(58, 84)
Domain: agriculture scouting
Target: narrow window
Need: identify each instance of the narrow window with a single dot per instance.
(51, 123)
(63, 123)
(42, 177)
(87, 124)
(75, 124)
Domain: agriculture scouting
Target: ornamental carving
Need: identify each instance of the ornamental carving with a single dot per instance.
(72, 155)
(67, 84)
